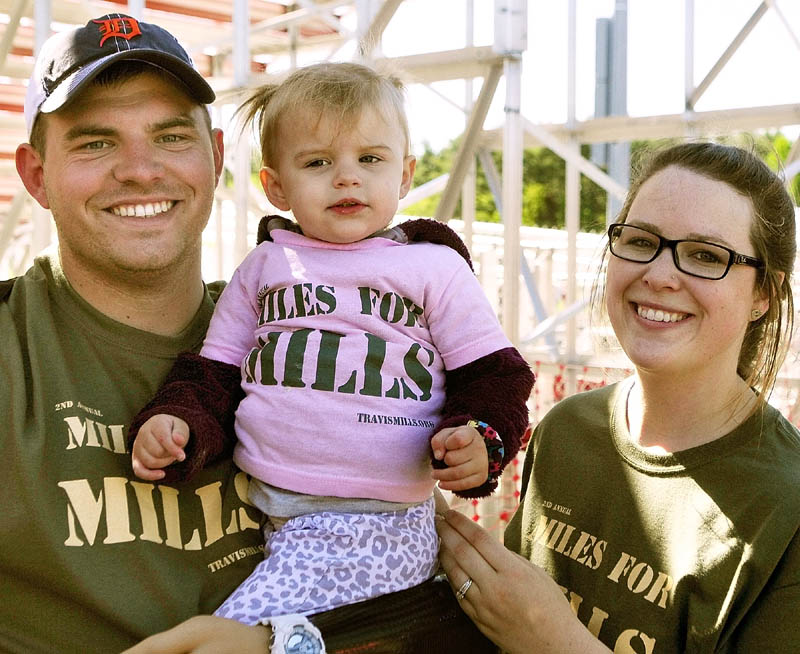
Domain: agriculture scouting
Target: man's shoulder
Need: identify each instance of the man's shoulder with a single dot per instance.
(5, 288)
(39, 277)
(215, 289)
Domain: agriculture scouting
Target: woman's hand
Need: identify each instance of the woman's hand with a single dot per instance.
(206, 634)
(515, 603)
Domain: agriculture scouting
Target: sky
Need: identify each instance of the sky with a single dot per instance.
(765, 70)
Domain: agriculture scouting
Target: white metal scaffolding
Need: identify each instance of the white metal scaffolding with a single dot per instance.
(231, 38)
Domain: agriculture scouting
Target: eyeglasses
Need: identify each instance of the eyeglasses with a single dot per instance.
(696, 258)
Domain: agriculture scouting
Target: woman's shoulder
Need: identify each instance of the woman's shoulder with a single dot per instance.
(768, 448)
(783, 425)
(587, 406)
(783, 436)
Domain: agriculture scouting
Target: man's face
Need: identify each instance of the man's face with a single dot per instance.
(129, 172)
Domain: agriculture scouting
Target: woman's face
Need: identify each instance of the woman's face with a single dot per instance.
(668, 321)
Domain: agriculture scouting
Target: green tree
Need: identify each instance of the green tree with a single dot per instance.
(542, 196)
(774, 147)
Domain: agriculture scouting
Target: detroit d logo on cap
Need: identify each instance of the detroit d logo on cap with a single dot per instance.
(123, 27)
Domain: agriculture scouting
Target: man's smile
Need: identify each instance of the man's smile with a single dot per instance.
(143, 210)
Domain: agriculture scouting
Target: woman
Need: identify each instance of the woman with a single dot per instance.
(661, 514)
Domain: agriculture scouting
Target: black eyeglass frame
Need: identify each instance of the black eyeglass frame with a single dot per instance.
(735, 259)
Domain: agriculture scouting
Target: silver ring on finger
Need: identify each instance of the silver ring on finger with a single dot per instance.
(461, 592)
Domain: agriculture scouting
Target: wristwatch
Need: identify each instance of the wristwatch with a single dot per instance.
(293, 634)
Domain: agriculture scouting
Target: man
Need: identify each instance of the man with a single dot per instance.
(122, 152)
(92, 559)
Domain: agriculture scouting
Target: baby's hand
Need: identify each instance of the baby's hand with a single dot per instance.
(464, 452)
(160, 441)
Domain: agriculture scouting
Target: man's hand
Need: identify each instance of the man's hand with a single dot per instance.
(464, 452)
(206, 634)
(159, 442)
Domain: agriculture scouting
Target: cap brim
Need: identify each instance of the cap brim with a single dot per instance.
(70, 86)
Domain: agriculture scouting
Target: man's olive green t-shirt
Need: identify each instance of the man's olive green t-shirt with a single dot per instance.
(93, 559)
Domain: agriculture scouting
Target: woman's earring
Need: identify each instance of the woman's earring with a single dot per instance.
(755, 314)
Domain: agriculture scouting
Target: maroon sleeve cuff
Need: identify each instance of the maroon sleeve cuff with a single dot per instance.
(494, 389)
(425, 230)
(204, 393)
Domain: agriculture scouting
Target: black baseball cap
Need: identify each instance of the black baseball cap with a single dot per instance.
(69, 60)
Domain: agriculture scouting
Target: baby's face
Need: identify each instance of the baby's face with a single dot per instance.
(342, 182)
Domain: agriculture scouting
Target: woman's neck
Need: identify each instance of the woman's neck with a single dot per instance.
(672, 414)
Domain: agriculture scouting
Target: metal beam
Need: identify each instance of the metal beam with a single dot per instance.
(792, 163)
(326, 16)
(413, 69)
(630, 128)
(241, 178)
(496, 189)
(447, 100)
(225, 45)
(569, 153)
(729, 52)
(11, 29)
(284, 20)
(512, 197)
(468, 188)
(16, 67)
(618, 164)
(688, 52)
(492, 178)
(791, 171)
(13, 122)
(372, 37)
(436, 185)
(572, 191)
(40, 217)
(446, 65)
(279, 43)
(538, 306)
(11, 219)
(786, 24)
(466, 150)
(794, 152)
(548, 326)
(78, 13)
(135, 8)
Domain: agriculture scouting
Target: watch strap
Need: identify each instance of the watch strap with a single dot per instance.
(494, 447)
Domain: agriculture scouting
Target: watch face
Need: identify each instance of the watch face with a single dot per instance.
(302, 641)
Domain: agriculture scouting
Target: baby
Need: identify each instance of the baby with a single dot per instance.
(343, 357)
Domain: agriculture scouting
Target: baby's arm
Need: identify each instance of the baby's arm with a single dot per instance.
(160, 441)
(492, 393)
(202, 393)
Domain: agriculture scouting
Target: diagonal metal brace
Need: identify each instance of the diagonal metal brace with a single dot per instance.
(466, 151)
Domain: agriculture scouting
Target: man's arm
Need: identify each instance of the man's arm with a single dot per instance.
(425, 618)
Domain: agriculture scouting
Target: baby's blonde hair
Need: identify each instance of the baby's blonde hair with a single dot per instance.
(337, 90)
